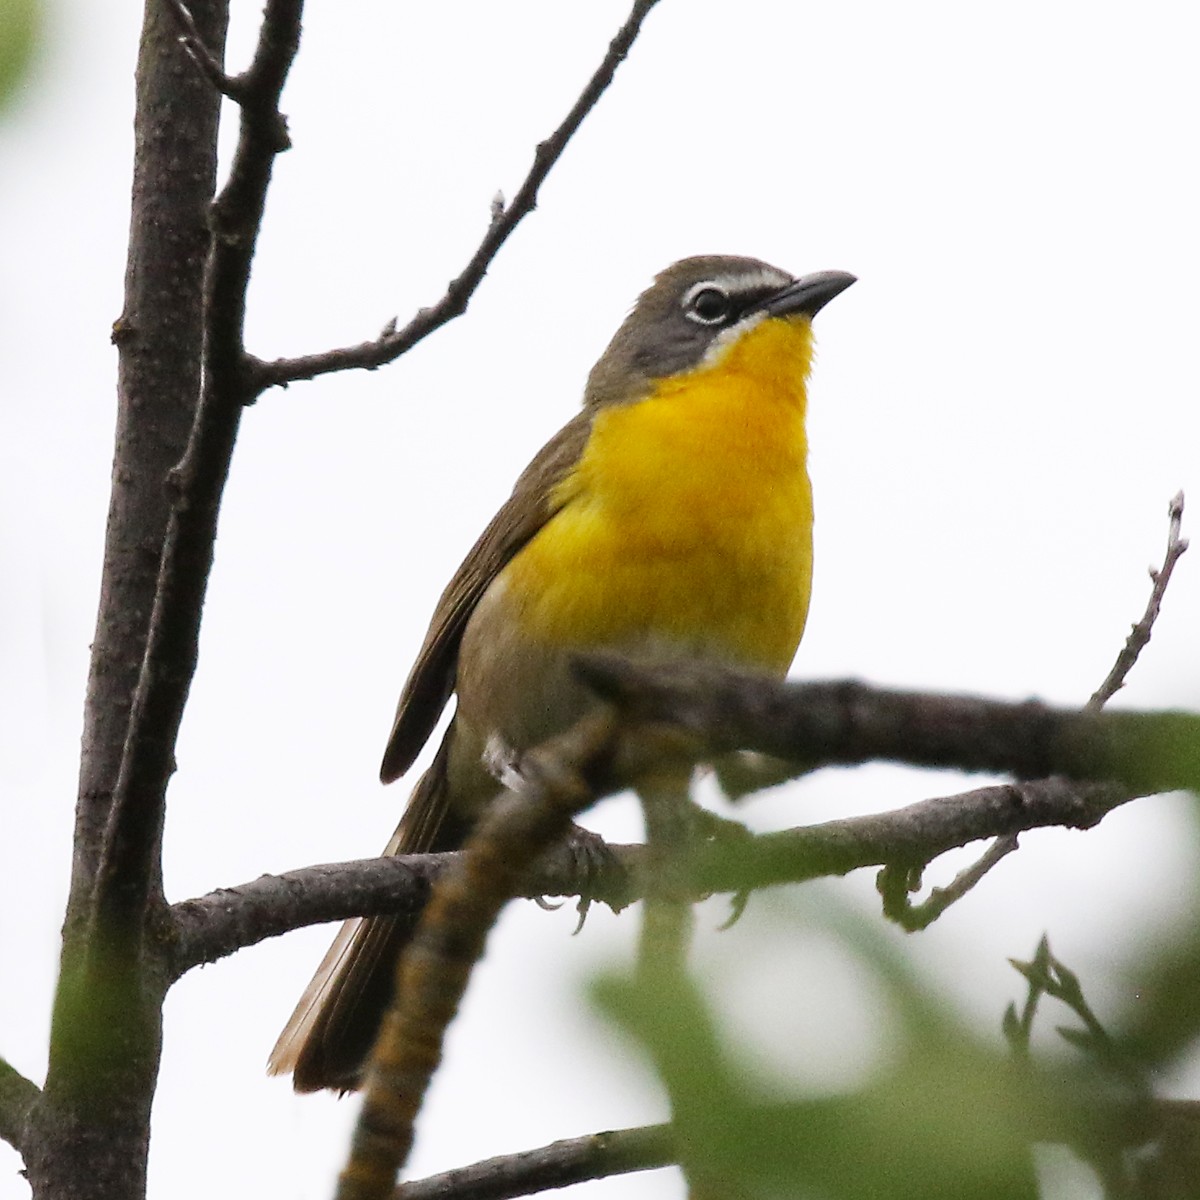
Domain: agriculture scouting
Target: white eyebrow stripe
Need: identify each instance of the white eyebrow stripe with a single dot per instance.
(750, 281)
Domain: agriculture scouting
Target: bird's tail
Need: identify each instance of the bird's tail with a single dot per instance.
(329, 1035)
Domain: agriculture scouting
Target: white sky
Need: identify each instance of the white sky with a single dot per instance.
(1000, 411)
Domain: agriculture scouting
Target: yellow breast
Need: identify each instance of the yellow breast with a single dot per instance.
(688, 520)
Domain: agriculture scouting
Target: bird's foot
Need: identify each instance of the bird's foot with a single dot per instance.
(605, 876)
(708, 829)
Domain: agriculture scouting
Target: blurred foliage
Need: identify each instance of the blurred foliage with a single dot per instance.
(1151, 1148)
(947, 1116)
(951, 1113)
(1164, 1022)
(20, 25)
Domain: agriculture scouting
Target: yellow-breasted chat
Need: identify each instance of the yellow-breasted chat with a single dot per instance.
(672, 514)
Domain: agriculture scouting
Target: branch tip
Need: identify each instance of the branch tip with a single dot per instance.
(369, 355)
(1140, 631)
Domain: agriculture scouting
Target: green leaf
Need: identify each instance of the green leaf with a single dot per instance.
(20, 26)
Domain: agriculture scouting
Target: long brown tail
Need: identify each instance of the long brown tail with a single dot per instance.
(328, 1037)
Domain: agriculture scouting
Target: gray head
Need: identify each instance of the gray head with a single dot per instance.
(691, 305)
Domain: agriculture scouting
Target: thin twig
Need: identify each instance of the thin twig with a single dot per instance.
(895, 883)
(1048, 975)
(1018, 1026)
(1139, 635)
(560, 1164)
(1144, 1146)
(194, 46)
(504, 219)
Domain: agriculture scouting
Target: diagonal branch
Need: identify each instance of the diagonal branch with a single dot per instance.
(505, 218)
(558, 779)
(560, 1164)
(17, 1098)
(896, 882)
(158, 336)
(1139, 635)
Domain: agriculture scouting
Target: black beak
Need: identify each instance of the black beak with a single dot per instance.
(808, 295)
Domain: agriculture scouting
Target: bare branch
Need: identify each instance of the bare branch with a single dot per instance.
(823, 724)
(1129, 1123)
(560, 1164)
(210, 927)
(89, 1134)
(158, 337)
(810, 723)
(504, 219)
(1139, 635)
(129, 869)
(17, 1098)
(896, 883)
(914, 834)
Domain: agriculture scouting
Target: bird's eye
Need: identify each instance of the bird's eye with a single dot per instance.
(707, 305)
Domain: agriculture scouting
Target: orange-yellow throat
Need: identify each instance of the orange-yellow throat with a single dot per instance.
(687, 522)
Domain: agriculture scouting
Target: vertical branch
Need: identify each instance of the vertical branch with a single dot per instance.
(182, 352)
(128, 875)
(88, 1133)
(668, 922)
(159, 337)
(557, 780)
(667, 917)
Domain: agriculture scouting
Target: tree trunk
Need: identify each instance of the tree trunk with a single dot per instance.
(88, 1135)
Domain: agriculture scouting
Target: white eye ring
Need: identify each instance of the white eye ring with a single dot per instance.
(706, 303)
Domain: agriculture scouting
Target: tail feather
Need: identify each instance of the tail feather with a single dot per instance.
(330, 1033)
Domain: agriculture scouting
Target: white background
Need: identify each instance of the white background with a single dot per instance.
(1000, 411)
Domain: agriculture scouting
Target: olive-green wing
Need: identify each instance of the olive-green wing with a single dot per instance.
(431, 680)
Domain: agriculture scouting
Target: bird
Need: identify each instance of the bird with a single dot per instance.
(671, 515)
